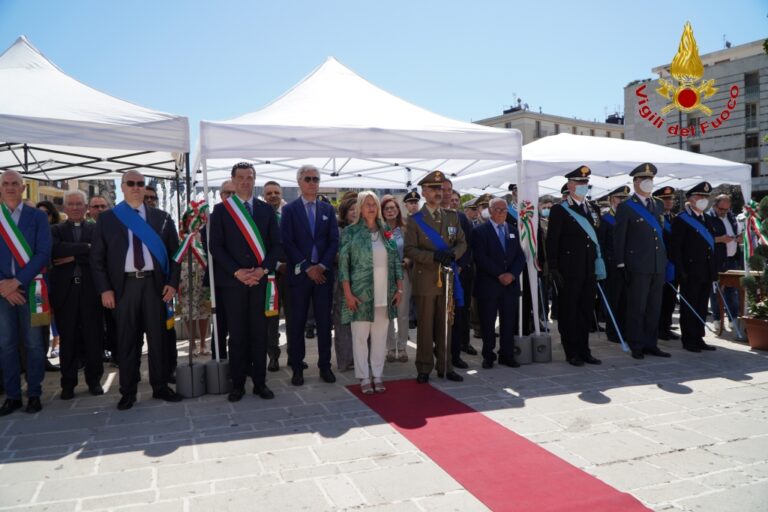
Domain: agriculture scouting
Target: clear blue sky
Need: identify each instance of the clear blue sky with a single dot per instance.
(219, 59)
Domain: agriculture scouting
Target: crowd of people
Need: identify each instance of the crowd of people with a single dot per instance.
(105, 280)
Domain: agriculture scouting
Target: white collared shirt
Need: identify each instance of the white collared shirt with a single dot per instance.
(148, 263)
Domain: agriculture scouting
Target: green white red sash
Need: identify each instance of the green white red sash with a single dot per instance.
(193, 220)
(250, 232)
(39, 307)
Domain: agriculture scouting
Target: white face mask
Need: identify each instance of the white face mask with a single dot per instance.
(701, 204)
(486, 214)
(646, 186)
(581, 190)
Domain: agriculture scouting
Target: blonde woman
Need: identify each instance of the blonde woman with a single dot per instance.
(371, 275)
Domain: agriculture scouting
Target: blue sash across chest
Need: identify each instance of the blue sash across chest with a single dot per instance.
(440, 245)
(699, 228)
(133, 221)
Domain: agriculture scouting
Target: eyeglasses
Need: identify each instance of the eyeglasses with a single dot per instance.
(311, 179)
(150, 198)
(99, 206)
(131, 183)
(391, 207)
(498, 209)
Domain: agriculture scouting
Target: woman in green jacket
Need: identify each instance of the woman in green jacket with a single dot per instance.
(371, 276)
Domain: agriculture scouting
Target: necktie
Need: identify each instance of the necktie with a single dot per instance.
(436, 215)
(311, 217)
(138, 251)
(502, 238)
(248, 208)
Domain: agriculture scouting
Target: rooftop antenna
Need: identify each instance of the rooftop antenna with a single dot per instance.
(726, 42)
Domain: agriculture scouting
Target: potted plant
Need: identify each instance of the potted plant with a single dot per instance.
(756, 286)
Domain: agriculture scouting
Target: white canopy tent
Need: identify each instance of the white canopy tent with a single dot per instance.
(358, 136)
(53, 127)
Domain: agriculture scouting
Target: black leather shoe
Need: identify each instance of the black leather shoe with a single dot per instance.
(690, 347)
(33, 405)
(327, 376)
(487, 364)
(9, 406)
(509, 361)
(705, 346)
(95, 389)
(67, 394)
(167, 394)
(309, 333)
(274, 364)
(576, 361)
(304, 365)
(50, 367)
(637, 354)
(460, 363)
(453, 376)
(592, 360)
(236, 394)
(412, 324)
(263, 392)
(297, 379)
(126, 402)
(668, 336)
(469, 349)
(422, 378)
(656, 351)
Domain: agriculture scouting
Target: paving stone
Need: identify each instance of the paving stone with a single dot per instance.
(744, 450)
(17, 494)
(185, 491)
(119, 500)
(160, 506)
(65, 467)
(292, 458)
(59, 506)
(750, 497)
(460, 501)
(364, 448)
(612, 447)
(631, 474)
(154, 455)
(728, 426)
(414, 480)
(670, 491)
(204, 471)
(674, 436)
(246, 482)
(340, 490)
(253, 443)
(688, 463)
(297, 496)
(96, 485)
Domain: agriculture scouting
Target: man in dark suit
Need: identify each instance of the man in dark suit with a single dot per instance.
(499, 260)
(25, 251)
(433, 240)
(571, 257)
(641, 257)
(669, 295)
(615, 289)
(460, 328)
(722, 223)
(74, 298)
(693, 248)
(136, 275)
(310, 238)
(245, 245)
(273, 195)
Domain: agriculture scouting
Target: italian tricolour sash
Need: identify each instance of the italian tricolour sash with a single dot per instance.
(39, 307)
(250, 232)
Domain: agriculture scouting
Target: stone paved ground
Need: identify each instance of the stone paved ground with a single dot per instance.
(687, 433)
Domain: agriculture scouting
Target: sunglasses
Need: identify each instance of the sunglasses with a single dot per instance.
(311, 179)
(150, 198)
(131, 183)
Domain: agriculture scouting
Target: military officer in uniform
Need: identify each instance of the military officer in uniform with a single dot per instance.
(668, 296)
(434, 239)
(641, 258)
(482, 208)
(411, 201)
(614, 283)
(693, 254)
(572, 254)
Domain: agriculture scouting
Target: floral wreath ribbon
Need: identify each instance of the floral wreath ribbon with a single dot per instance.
(753, 231)
(528, 232)
(194, 218)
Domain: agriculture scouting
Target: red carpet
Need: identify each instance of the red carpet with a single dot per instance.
(503, 470)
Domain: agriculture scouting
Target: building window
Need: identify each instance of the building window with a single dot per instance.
(694, 148)
(538, 129)
(755, 169)
(693, 121)
(751, 84)
(750, 116)
(592, 132)
(557, 128)
(508, 124)
(751, 147)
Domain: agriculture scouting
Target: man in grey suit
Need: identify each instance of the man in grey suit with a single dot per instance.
(641, 258)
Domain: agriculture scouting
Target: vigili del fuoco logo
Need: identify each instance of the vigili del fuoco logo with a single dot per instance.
(687, 92)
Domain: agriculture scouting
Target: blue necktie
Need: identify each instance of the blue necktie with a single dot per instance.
(311, 218)
(248, 208)
(502, 238)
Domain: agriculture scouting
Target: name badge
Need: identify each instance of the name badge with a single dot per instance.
(511, 235)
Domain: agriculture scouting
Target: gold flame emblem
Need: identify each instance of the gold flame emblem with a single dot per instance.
(687, 69)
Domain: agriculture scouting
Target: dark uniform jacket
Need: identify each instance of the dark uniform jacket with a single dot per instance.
(64, 245)
(605, 237)
(693, 258)
(635, 243)
(569, 249)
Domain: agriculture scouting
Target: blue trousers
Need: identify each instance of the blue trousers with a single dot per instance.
(15, 327)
